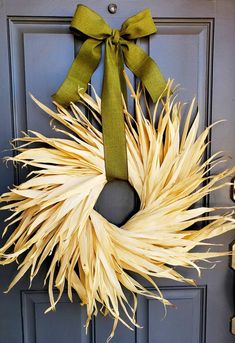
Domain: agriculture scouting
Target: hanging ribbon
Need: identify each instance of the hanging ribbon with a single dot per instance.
(120, 48)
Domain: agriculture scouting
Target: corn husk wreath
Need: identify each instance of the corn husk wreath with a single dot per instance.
(54, 210)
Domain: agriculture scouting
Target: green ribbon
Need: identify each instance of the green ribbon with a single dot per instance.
(120, 48)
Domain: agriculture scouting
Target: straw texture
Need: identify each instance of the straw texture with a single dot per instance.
(53, 210)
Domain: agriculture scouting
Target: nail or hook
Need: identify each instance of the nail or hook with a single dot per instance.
(112, 8)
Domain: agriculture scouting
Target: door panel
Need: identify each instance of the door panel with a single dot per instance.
(182, 47)
(184, 324)
(42, 328)
(195, 46)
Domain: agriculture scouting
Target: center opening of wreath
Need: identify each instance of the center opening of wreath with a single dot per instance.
(118, 202)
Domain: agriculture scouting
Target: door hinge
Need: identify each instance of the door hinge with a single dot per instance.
(233, 256)
(233, 326)
(233, 189)
(233, 267)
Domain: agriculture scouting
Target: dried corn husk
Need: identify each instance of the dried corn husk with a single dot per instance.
(54, 212)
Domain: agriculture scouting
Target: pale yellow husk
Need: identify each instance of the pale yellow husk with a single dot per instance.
(53, 210)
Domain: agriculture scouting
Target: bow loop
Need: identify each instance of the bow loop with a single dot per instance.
(139, 25)
(89, 23)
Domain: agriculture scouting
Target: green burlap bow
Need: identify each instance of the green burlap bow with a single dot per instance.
(120, 48)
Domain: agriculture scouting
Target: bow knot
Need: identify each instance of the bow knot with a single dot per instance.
(115, 36)
(91, 25)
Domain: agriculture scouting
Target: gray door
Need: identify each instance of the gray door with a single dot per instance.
(195, 45)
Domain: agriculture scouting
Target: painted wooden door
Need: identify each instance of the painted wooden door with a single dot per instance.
(195, 45)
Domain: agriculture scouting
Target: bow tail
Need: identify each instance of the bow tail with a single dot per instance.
(121, 67)
(113, 124)
(145, 68)
(79, 73)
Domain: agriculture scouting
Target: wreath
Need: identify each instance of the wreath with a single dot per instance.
(54, 210)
